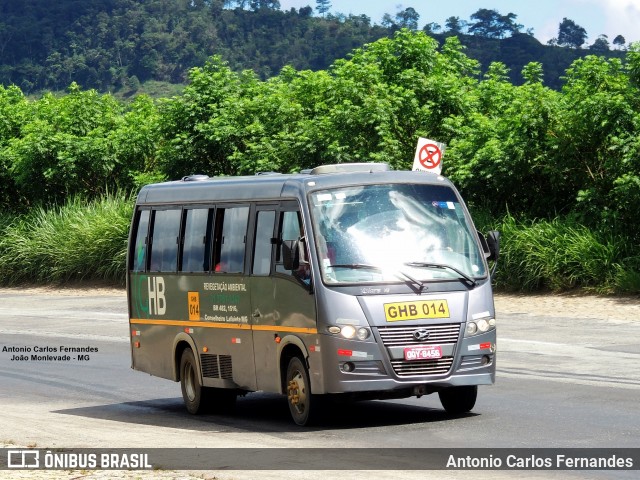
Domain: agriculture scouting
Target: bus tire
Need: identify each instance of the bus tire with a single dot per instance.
(193, 393)
(457, 400)
(301, 402)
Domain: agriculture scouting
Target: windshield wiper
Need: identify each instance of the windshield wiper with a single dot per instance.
(420, 285)
(463, 276)
(355, 266)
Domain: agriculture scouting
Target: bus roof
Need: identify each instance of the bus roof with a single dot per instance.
(274, 186)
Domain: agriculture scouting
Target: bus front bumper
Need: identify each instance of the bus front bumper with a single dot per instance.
(359, 366)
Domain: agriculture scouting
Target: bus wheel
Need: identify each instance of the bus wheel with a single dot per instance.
(192, 392)
(456, 400)
(298, 391)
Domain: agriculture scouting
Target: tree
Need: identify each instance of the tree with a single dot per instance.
(305, 12)
(387, 21)
(74, 145)
(455, 25)
(490, 24)
(601, 44)
(323, 6)
(408, 18)
(570, 34)
(619, 41)
(533, 72)
(431, 28)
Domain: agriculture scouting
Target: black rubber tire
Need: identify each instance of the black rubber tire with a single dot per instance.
(302, 404)
(457, 400)
(193, 394)
(199, 399)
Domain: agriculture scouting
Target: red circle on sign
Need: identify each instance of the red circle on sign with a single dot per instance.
(430, 156)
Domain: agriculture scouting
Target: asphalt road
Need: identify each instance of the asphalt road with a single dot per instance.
(561, 383)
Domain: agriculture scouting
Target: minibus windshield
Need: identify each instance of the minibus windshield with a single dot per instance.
(394, 233)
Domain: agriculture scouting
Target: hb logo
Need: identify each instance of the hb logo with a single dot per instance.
(157, 301)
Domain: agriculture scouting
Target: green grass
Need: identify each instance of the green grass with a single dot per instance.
(561, 255)
(78, 241)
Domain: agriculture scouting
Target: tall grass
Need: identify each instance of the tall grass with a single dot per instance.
(78, 241)
(560, 255)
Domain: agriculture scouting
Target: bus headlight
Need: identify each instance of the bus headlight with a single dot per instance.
(483, 325)
(472, 328)
(362, 333)
(479, 326)
(350, 331)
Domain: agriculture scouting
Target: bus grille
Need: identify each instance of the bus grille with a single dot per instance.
(399, 336)
(216, 366)
(404, 368)
(403, 337)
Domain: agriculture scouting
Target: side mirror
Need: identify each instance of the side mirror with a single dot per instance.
(484, 244)
(493, 242)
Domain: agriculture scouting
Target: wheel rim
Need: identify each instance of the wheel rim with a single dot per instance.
(189, 384)
(297, 393)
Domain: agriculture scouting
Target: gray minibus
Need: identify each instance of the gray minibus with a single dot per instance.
(350, 281)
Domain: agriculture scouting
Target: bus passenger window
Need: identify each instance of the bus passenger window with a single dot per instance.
(197, 241)
(231, 238)
(262, 250)
(138, 254)
(164, 241)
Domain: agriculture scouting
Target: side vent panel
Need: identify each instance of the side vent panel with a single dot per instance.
(225, 367)
(209, 364)
(216, 366)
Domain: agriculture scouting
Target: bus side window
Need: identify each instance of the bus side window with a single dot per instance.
(164, 240)
(196, 251)
(138, 255)
(230, 239)
(263, 245)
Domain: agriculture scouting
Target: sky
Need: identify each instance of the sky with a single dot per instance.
(597, 17)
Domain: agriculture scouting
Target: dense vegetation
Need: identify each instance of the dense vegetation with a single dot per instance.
(117, 45)
(557, 172)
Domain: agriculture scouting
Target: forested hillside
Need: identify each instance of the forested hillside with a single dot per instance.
(115, 45)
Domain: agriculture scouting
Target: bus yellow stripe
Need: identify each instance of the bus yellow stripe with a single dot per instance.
(236, 326)
(276, 328)
(182, 323)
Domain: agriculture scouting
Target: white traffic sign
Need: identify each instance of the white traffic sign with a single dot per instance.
(428, 156)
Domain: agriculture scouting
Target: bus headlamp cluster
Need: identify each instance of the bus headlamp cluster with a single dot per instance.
(477, 327)
(350, 331)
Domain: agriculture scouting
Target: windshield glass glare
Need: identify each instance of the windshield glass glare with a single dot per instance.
(382, 233)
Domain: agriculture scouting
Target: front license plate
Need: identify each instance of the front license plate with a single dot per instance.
(430, 352)
(395, 312)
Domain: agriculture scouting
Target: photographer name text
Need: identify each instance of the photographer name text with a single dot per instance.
(59, 353)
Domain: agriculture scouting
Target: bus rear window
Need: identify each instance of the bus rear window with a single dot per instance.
(138, 255)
